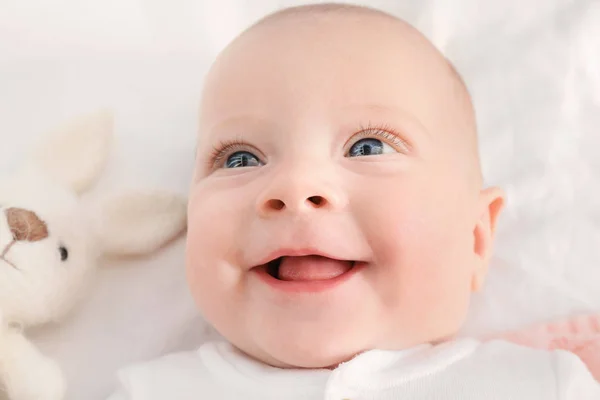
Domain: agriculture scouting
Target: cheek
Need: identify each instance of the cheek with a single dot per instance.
(210, 238)
(214, 217)
(411, 219)
(216, 221)
(421, 242)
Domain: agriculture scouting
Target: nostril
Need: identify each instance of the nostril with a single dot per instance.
(275, 204)
(317, 200)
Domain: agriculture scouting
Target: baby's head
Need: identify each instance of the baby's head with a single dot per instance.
(337, 204)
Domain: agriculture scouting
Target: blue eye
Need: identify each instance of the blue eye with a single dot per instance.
(370, 147)
(241, 159)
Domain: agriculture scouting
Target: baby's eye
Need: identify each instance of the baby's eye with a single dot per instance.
(369, 147)
(241, 159)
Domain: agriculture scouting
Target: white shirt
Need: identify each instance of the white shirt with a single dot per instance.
(463, 369)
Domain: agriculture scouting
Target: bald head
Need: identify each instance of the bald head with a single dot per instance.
(364, 35)
(344, 129)
(333, 10)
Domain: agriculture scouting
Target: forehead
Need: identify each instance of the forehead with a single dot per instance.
(301, 66)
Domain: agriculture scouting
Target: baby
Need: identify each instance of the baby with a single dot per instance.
(338, 226)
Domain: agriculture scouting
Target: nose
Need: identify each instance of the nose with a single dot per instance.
(25, 225)
(299, 195)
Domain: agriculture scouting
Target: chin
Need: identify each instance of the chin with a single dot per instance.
(320, 352)
(321, 362)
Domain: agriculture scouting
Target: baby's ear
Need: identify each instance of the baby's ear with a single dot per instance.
(491, 203)
(74, 155)
(139, 223)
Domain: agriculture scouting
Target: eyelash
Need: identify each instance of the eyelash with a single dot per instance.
(383, 131)
(226, 147)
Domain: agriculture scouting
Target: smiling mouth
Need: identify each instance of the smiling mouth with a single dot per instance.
(308, 268)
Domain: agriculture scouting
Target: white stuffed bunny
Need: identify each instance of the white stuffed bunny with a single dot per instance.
(51, 242)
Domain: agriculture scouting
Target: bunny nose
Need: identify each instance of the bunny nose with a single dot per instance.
(25, 225)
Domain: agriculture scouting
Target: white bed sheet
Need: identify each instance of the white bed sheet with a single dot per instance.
(534, 70)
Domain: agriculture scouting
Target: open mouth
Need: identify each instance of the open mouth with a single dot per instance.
(308, 268)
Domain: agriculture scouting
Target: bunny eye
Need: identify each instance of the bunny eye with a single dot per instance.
(64, 253)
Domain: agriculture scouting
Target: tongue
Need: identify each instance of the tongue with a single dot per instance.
(311, 268)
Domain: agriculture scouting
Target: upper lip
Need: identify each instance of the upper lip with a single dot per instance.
(298, 253)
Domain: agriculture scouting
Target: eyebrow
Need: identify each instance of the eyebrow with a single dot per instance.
(238, 120)
(397, 117)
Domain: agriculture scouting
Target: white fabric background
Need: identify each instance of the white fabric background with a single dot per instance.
(534, 70)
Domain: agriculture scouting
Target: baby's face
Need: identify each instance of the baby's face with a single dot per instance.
(332, 209)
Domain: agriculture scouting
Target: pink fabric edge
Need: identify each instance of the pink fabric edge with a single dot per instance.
(579, 335)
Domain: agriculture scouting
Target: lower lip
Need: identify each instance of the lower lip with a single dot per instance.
(306, 286)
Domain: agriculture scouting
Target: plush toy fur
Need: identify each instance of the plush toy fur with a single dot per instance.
(51, 243)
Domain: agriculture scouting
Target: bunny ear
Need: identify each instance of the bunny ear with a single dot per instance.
(76, 154)
(139, 223)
